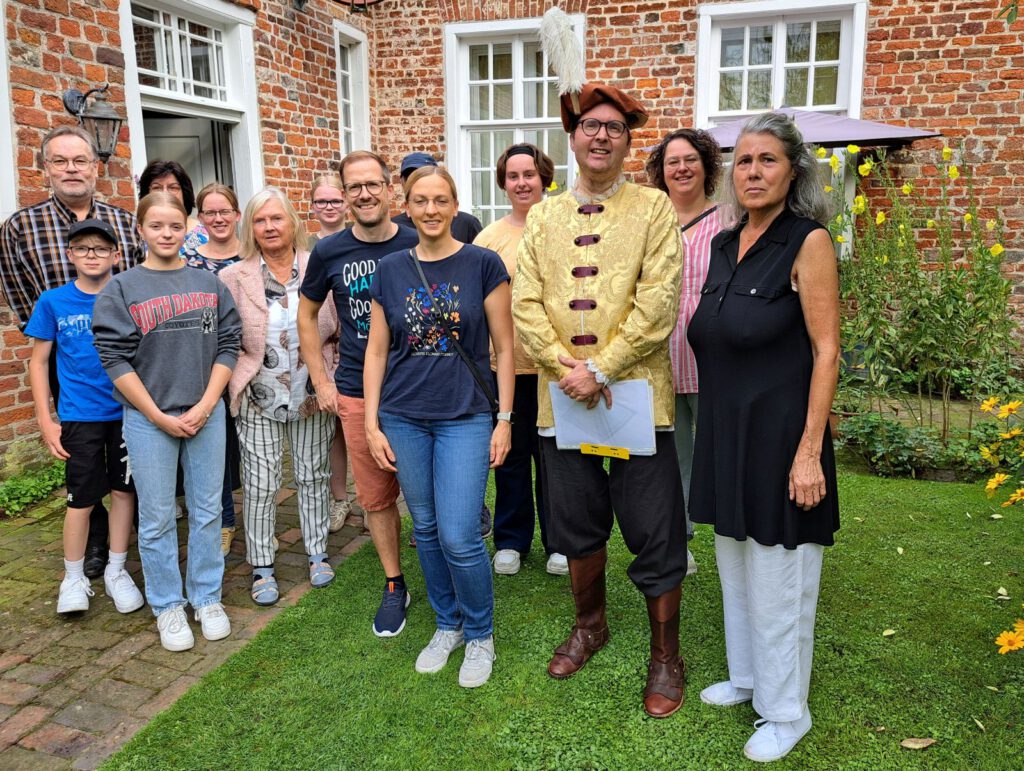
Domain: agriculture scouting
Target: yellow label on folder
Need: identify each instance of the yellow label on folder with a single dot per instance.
(602, 449)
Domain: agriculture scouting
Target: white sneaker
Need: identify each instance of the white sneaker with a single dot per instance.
(435, 655)
(772, 741)
(339, 513)
(122, 590)
(175, 634)
(506, 562)
(558, 565)
(214, 621)
(74, 595)
(476, 667)
(725, 694)
(691, 563)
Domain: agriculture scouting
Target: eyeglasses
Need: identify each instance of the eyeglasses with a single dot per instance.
(354, 189)
(321, 203)
(214, 213)
(61, 164)
(614, 128)
(103, 252)
(421, 203)
(690, 162)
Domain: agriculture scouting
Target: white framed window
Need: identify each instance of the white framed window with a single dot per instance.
(352, 73)
(766, 54)
(8, 166)
(499, 91)
(194, 59)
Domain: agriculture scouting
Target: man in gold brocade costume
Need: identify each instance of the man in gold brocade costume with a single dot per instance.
(595, 300)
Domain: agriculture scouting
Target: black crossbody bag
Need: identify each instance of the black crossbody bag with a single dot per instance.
(698, 218)
(474, 370)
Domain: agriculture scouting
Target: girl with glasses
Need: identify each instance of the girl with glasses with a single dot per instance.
(329, 207)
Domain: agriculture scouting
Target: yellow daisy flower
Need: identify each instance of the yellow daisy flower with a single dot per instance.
(1010, 641)
(995, 482)
(852, 149)
(990, 404)
(1010, 408)
(996, 249)
(1013, 433)
(1016, 495)
(1018, 625)
(880, 218)
(953, 172)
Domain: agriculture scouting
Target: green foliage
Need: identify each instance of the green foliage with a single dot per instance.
(21, 491)
(1010, 11)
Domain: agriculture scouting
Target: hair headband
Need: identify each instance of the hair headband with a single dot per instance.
(520, 150)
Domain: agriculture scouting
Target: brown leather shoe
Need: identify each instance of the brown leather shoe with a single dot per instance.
(666, 672)
(590, 632)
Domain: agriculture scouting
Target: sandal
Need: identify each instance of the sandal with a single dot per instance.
(320, 574)
(264, 591)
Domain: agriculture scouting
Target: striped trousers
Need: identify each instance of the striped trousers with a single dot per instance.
(261, 444)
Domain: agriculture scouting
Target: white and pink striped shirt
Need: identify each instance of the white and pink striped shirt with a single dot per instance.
(696, 256)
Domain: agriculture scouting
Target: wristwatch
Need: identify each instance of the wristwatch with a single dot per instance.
(505, 416)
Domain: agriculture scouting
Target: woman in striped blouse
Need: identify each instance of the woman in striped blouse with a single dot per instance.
(687, 165)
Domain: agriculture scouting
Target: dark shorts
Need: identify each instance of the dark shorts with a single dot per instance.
(98, 462)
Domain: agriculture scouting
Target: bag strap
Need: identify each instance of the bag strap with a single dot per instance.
(698, 218)
(474, 370)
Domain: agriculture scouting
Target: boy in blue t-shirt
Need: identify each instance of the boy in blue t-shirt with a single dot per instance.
(88, 437)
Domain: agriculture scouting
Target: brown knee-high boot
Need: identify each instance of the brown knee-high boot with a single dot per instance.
(666, 673)
(590, 632)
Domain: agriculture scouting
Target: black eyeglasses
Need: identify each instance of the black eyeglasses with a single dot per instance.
(353, 189)
(614, 128)
(103, 252)
(324, 203)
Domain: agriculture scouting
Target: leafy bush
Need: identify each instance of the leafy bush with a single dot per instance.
(20, 492)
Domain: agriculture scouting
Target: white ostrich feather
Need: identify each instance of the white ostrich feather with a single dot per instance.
(563, 49)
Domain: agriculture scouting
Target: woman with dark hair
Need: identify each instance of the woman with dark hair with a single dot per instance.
(766, 340)
(687, 164)
(524, 172)
(171, 177)
(428, 404)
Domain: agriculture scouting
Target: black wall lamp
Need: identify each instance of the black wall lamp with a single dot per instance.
(99, 118)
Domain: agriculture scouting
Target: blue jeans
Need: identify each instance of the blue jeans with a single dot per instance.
(442, 470)
(154, 457)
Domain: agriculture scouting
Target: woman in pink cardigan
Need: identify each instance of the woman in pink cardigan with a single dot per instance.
(271, 394)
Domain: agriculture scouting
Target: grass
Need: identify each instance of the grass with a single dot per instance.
(317, 689)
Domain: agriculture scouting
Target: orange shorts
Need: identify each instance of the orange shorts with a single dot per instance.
(376, 488)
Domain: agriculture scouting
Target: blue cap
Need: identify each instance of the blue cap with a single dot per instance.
(414, 161)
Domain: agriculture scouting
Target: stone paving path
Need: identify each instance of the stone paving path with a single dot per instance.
(74, 689)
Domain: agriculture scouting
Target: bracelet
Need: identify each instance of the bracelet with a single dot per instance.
(599, 376)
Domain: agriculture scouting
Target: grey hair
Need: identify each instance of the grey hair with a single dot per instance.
(806, 198)
(249, 248)
(70, 131)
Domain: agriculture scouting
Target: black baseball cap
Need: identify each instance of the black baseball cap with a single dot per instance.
(414, 161)
(93, 226)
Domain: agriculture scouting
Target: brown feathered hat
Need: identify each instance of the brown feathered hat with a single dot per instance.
(593, 94)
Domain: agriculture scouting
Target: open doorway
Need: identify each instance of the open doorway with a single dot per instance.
(202, 146)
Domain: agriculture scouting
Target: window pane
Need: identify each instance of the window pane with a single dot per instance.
(533, 95)
(343, 58)
(761, 45)
(502, 61)
(732, 47)
(554, 109)
(730, 85)
(346, 114)
(798, 42)
(503, 101)
(826, 85)
(479, 107)
(144, 13)
(343, 82)
(478, 69)
(147, 50)
(796, 88)
(502, 139)
(479, 143)
(533, 61)
(478, 187)
(826, 46)
(759, 89)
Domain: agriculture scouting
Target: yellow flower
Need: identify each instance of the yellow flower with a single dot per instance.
(552, 187)
(884, 259)
(1008, 409)
(994, 483)
(821, 152)
(829, 188)
(953, 172)
(880, 218)
(990, 453)
(865, 168)
(1010, 641)
(859, 205)
(839, 219)
(1018, 625)
(833, 162)
(996, 249)
(990, 225)
(901, 227)
(968, 217)
(852, 149)
(841, 239)
(907, 188)
(930, 223)
(990, 404)
(1013, 433)
(1016, 495)
(947, 153)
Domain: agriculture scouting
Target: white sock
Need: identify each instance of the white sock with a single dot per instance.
(115, 561)
(74, 569)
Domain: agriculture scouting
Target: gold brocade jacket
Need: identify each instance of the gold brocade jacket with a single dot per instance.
(601, 281)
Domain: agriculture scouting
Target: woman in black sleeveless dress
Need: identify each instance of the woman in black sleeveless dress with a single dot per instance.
(766, 340)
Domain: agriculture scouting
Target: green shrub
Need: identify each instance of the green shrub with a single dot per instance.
(20, 492)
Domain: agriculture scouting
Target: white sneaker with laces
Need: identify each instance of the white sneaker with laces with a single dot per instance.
(339, 513)
(558, 565)
(175, 634)
(506, 562)
(772, 741)
(691, 563)
(214, 621)
(435, 655)
(122, 590)
(476, 667)
(725, 694)
(74, 595)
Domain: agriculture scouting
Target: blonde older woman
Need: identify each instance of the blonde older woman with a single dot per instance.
(270, 390)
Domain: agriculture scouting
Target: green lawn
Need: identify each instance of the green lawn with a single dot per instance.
(317, 689)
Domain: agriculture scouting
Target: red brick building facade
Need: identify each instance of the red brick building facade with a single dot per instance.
(255, 92)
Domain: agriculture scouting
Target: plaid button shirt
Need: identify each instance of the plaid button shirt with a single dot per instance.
(33, 250)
